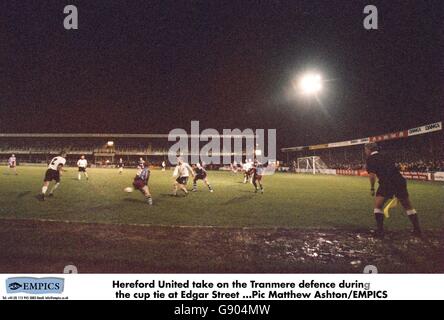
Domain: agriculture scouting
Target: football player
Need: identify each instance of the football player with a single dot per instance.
(141, 182)
(246, 167)
(256, 172)
(120, 165)
(12, 163)
(391, 183)
(201, 174)
(82, 163)
(53, 172)
(182, 172)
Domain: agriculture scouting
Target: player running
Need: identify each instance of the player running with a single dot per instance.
(120, 165)
(182, 172)
(141, 182)
(233, 167)
(82, 163)
(12, 163)
(52, 173)
(391, 183)
(246, 167)
(256, 172)
(201, 174)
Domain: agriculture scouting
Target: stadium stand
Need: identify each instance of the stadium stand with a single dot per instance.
(411, 153)
(41, 150)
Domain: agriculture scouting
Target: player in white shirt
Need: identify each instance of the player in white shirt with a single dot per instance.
(82, 163)
(120, 165)
(12, 163)
(182, 173)
(52, 173)
(163, 165)
(234, 167)
(246, 168)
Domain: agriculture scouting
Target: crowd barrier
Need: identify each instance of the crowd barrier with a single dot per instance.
(423, 176)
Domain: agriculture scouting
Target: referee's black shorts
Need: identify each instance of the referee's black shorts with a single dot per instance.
(396, 188)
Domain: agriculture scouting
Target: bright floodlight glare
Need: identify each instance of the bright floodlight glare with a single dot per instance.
(310, 83)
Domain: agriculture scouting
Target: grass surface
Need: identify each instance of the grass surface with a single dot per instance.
(292, 201)
(302, 223)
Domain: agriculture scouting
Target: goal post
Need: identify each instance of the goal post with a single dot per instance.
(312, 165)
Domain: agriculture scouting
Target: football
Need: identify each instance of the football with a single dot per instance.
(128, 189)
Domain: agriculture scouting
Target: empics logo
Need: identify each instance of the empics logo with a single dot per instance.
(34, 285)
(14, 286)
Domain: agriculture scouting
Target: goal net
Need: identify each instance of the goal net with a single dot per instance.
(311, 165)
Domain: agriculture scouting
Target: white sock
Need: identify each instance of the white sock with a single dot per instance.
(44, 189)
(55, 187)
(79, 176)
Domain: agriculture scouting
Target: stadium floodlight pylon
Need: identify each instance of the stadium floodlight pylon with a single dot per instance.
(312, 164)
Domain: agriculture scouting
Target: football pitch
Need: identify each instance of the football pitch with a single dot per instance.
(95, 224)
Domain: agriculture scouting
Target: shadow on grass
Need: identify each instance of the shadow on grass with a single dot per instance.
(239, 199)
(23, 194)
(134, 200)
(170, 195)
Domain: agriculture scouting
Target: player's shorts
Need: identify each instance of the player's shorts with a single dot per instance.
(52, 175)
(200, 177)
(257, 177)
(139, 184)
(82, 169)
(397, 189)
(182, 180)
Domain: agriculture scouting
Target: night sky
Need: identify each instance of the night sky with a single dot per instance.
(151, 66)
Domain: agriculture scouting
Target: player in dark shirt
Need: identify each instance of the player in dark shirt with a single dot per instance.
(257, 171)
(391, 183)
(141, 182)
(201, 174)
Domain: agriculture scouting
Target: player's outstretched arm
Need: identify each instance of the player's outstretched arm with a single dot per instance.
(176, 172)
(191, 170)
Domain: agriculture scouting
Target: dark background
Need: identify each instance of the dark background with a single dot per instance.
(151, 66)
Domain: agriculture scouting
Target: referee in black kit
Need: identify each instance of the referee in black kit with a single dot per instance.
(391, 183)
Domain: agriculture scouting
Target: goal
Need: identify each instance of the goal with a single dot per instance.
(312, 165)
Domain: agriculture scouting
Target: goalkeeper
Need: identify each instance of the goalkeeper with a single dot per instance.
(391, 183)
